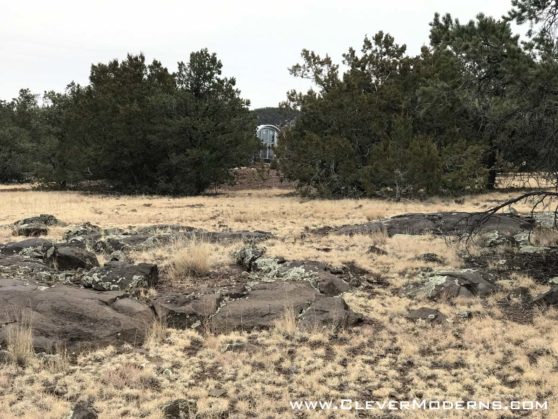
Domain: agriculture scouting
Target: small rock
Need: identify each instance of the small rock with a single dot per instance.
(376, 250)
(426, 314)
(431, 257)
(180, 409)
(83, 410)
(465, 315)
(332, 286)
(119, 256)
(217, 392)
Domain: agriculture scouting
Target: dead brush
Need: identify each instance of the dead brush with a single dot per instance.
(194, 259)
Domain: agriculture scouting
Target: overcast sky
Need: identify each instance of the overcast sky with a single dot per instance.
(44, 45)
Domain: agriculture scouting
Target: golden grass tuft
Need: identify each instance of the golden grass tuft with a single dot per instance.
(193, 260)
(156, 334)
(20, 340)
(287, 323)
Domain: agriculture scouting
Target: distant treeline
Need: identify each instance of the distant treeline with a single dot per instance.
(476, 101)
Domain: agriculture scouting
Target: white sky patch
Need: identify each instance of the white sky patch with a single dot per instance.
(44, 45)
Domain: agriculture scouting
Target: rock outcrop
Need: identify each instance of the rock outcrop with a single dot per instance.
(441, 223)
(74, 318)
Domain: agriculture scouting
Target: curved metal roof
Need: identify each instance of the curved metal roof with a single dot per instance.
(273, 127)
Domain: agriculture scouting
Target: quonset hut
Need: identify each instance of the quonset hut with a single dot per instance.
(268, 135)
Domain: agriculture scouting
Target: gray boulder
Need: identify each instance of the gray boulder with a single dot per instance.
(451, 284)
(549, 298)
(329, 312)
(182, 311)
(65, 258)
(35, 226)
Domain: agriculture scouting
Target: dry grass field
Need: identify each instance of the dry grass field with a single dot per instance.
(487, 357)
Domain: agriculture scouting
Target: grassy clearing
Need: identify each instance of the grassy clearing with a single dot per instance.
(256, 374)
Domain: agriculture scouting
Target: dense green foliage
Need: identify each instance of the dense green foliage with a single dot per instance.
(139, 128)
(279, 117)
(473, 103)
(19, 128)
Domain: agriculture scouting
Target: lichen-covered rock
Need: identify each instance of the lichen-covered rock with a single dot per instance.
(148, 237)
(246, 256)
(27, 269)
(46, 219)
(121, 276)
(34, 226)
(34, 247)
(451, 284)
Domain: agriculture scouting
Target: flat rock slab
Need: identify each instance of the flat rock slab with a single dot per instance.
(76, 318)
(266, 303)
(182, 311)
(441, 223)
